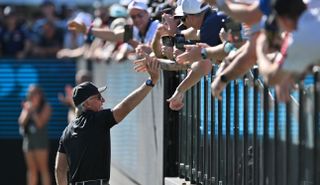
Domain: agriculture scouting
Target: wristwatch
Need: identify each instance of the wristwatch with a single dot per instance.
(224, 79)
(149, 83)
(204, 53)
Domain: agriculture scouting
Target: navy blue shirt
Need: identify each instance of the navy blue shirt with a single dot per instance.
(12, 41)
(211, 26)
(86, 143)
(265, 7)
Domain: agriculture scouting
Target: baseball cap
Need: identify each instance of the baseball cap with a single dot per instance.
(84, 90)
(117, 10)
(178, 12)
(137, 5)
(193, 6)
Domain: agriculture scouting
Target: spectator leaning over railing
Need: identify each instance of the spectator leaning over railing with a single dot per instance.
(300, 49)
(204, 26)
(143, 27)
(245, 57)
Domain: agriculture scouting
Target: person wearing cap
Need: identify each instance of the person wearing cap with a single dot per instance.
(204, 25)
(143, 27)
(84, 151)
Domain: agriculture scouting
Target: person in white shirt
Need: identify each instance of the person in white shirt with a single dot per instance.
(143, 27)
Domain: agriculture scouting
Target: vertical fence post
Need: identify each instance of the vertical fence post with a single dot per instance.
(199, 137)
(301, 165)
(227, 143)
(213, 151)
(255, 128)
(266, 147)
(276, 141)
(205, 138)
(288, 141)
(316, 153)
(187, 163)
(220, 142)
(236, 131)
(245, 130)
(194, 145)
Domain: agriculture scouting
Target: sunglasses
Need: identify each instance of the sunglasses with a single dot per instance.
(98, 97)
(183, 18)
(139, 15)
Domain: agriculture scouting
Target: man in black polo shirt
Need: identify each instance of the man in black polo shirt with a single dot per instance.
(84, 147)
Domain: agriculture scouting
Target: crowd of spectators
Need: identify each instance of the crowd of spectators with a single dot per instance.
(278, 36)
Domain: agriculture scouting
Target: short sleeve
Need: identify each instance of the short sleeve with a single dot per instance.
(106, 118)
(265, 7)
(210, 29)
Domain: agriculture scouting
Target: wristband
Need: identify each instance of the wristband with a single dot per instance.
(228, 47)
(204, 53)
(90, 36)
(223, 79)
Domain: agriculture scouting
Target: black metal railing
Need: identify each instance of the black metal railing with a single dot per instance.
(248, 137)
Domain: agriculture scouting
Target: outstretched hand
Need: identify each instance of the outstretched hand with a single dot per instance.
(176, 101)
(78, 27)
(192, 54)
(152, 66)
(140, 65)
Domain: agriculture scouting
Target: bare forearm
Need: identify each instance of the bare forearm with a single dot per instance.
(107, 34)
(156, 46)
(239, 66)
(130, 102)
(249, 14)
(170, 65)
(217, 52)
(199, 69)
(23, 118)
(61, 177)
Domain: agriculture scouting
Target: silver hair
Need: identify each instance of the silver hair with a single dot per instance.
(80, 109)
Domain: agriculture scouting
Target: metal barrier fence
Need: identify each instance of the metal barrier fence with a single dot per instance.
(249, 138)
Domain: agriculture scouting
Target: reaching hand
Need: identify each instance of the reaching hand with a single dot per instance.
(176, 101)
(152, 66)
(162, 30)
(170, 24)
(192, 54)
(143, 49)
(217, 87)
(140, 65)
(76, 26)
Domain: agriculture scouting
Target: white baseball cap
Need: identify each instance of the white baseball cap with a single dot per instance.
(193, 6)
(178, 11)
(137, 5)
(83, 18)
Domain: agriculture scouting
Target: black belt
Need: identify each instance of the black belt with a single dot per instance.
(92, 182)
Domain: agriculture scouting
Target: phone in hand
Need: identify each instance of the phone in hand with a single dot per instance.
(128, 32)
(167, 41)
(179, 41)
(234, 28)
